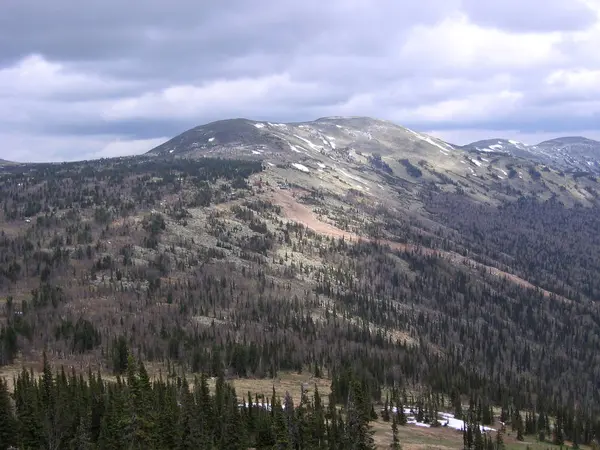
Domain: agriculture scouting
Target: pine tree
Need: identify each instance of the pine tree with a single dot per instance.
(8, 422)
(402, 420)
(386, 412)
(479, 442)
(395, 445)
(499, 444)
(358, 429)
(234, 435)
(167, 415)
(280, 430)
(120, 353)
(316, 426)
(558, 431)
(518, 421)
(190, 431)
(457, 405)
(82, 439)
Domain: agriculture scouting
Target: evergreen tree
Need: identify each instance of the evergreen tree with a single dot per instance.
(280, 429)
(120, 354)
(395, 445)
(558, 438)
(499, 443)
(386, 412)
(8, 421)
(358, 430)
(519, 427)
(234, 435)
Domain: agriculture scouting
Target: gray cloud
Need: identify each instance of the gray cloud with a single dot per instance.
(519, 15)
(90, 79)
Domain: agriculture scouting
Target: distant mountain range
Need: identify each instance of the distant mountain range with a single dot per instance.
(370, 155)
(575, 153)
(327, 134)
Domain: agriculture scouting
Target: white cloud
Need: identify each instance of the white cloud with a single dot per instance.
(125, 147)
(456, 44)
(45, 148)
(185, 101)
(456, 64)
(579, 81)
(35, 77)
(469, 108)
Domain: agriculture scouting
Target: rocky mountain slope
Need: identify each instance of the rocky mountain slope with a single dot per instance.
(381, 159)
(570, 154)
(250, 248)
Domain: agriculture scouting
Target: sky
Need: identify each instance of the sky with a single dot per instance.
(82, 80)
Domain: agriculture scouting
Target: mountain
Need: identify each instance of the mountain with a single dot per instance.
(576, 153)
(347, 249)
(573, 154)
(330, 137)
(378, 157)
(502, 146)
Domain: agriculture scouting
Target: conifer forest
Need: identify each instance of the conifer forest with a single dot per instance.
(477, 320)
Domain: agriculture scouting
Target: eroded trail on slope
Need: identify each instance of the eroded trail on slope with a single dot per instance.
(304, 215)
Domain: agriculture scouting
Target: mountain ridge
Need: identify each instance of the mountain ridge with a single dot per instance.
(314, 247)
(571, 153)
(565, 152)
(378, 157)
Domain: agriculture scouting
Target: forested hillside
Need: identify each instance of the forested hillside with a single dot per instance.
(210, 265)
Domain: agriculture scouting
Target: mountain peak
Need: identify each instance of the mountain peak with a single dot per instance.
(571, 153)
(568, 140)
(325, 136)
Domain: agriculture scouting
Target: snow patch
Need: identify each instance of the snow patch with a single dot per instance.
(352, 177)
(259, 125)
(261, 405)
(311, 145)
(427, 139)
(457, 424)
(514, 142)
(331, 141)
(301, 167)
(321, 165)
(171, 151)
(271, 164)
(496, 147)
(211, 139)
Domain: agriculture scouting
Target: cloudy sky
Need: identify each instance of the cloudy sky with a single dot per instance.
(106, 78)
